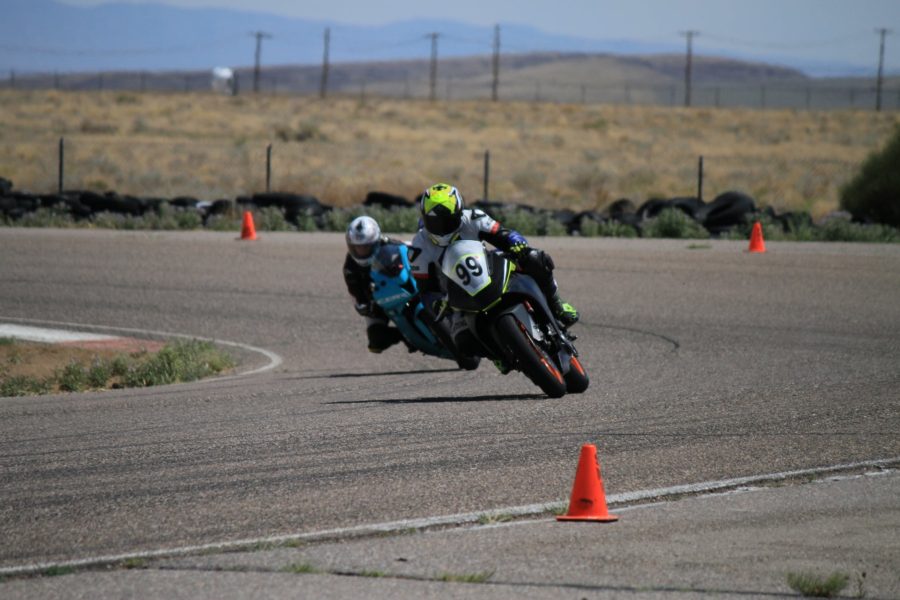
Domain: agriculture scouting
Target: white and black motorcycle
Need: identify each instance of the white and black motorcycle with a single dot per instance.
(508, 316)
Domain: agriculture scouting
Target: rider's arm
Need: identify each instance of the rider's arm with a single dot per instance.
(356, 277)
(491, 231)
(422, 256)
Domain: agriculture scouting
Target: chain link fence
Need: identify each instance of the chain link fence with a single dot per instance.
(812, 95)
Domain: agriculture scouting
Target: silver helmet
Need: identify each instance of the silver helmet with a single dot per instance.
(363, 237)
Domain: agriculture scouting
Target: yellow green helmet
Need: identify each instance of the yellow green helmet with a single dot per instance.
(442, 210)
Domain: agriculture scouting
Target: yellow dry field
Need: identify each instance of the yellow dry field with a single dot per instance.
(545, 154)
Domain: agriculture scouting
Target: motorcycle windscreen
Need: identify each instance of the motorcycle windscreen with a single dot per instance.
(389, 260)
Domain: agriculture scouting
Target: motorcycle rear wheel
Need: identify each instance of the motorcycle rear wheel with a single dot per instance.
(577, 379)
(529, 357)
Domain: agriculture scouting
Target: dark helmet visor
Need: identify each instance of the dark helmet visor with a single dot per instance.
(444, 223)
(362, 251)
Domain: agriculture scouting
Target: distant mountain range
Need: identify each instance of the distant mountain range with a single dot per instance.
(48, 36)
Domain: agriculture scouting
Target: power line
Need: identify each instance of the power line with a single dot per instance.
(350, 48)
(791, 46)
(467, 40)
(117, 51)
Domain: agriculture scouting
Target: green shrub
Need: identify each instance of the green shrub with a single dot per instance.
(547, 225)
(523, 221)
(809, 584)
(99, 373)
(674, 223)
(56, 216)
(592, 228)
(835, 230)
(339, 218)
(838, 230)
(223, 223)
(271, 218)
(394, 220)
(182, 361)
(118, 366)
(874, 193)
(73, 377)
(23, 386)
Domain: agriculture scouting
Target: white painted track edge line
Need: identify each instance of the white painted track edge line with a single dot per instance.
(619, 500)
(274, 359)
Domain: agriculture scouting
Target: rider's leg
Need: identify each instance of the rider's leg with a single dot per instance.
(380, 335)
(539, 265)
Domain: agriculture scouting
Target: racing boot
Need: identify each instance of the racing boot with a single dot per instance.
(564, 312)
(381, 337)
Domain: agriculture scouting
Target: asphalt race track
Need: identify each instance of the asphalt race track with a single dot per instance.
(707, 363)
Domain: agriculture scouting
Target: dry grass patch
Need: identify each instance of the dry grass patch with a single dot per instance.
(546, 154)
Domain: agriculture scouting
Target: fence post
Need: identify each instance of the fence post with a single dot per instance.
(487, 172)
(700, 179)
(62, 162)
(268, 168)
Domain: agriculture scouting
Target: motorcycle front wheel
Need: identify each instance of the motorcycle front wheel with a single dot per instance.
(529, 357)
(577, 379)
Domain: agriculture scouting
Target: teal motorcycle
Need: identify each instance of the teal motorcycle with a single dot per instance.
(394, 289)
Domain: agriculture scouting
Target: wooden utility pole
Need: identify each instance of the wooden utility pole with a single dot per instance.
(259, 35)
(496, 83)
(687, 67)
(323, 87)
(878, 85)
(433, 72)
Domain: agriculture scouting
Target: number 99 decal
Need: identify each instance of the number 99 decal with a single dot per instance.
(471, 273)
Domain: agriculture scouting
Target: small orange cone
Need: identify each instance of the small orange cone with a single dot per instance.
(757, 244)
(588, 501)
(248, 230)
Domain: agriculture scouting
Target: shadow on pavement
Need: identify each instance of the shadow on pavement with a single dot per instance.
(378, 373)
(439, 399)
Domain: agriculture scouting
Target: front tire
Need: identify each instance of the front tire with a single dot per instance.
(529, 357)
(577, 379)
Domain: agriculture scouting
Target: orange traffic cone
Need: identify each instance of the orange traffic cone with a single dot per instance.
(248, 230)
(757, 244)
(588, 501)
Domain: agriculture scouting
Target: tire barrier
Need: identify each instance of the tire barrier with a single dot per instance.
(729, 211)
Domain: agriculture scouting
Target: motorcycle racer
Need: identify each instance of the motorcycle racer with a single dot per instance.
(363, 240)
(445, 220)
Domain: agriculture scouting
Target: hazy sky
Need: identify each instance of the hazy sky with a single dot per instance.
(824, 29)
